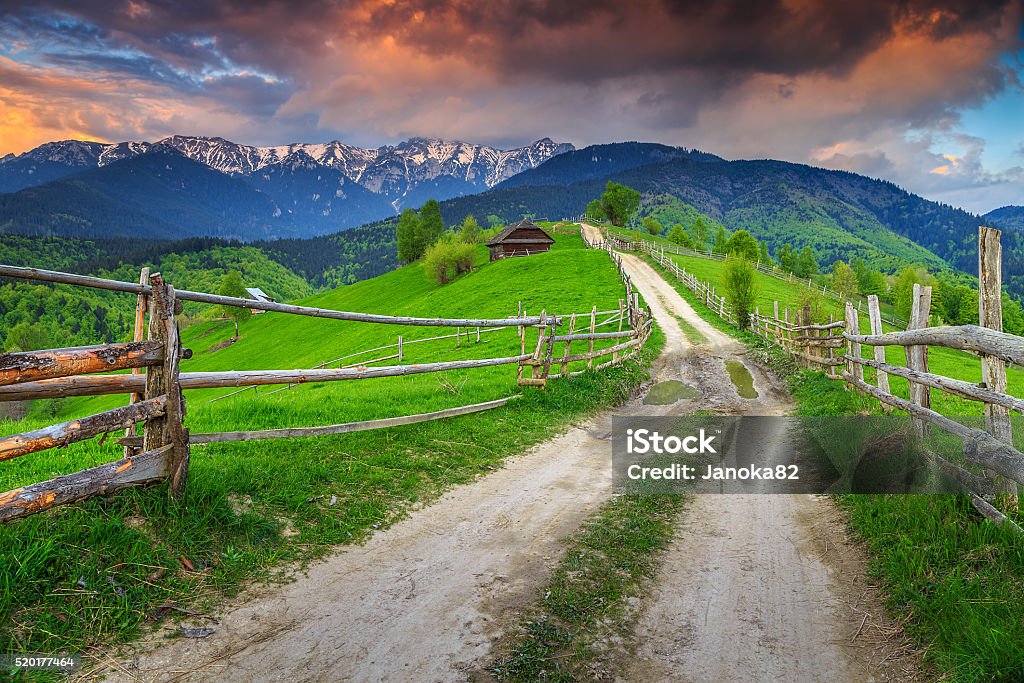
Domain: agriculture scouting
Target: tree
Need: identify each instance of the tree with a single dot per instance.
(678, 235)
(470, 230)
(619, 202)
(844, 280)
(764, 256)
(447, 258)
(231, 285)
(869, 281)
(26, 336)
(494, 221)
(595, 210)
(903, 288)
(652, 226)
(430, 228)
(744, 245)
(806, 265)
(721, 241)
(700, 234)
(787, 257)
(408, 226)
(740, 289)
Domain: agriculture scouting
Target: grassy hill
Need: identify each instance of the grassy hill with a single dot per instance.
(95, 572)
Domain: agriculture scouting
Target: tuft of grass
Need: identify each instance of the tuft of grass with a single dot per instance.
(694, 335)
(585, 606)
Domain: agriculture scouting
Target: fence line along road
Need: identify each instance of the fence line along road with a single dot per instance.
(157, 397)
(630, 242)
(837, 349)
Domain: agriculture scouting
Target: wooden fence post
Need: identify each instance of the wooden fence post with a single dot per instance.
(568, 343)
(875, 317)
(400, 349)
(593, 328)
(163, 380)
(917, 356)
(140, 323)
(856, 370)
(993, 370)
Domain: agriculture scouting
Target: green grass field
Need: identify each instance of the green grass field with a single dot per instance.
(94, 573)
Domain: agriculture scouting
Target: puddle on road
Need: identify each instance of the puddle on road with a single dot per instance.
(742, 378)
(666, 393)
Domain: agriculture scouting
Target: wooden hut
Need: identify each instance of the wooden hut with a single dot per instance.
(521, 238)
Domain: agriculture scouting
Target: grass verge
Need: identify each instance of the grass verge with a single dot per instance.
(570, 633)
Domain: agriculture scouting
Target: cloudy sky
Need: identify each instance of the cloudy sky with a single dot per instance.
(928, 94)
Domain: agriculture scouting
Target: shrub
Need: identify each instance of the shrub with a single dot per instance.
(741, 289)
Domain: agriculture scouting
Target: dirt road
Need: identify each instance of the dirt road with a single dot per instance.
(424, 600)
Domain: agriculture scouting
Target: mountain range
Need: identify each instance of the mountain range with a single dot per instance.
(187, 186)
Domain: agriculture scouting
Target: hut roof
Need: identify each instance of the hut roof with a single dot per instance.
(258, 294)
(503, 237)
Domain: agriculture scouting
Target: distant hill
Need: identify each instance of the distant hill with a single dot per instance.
(840, 215)
(1006, 218)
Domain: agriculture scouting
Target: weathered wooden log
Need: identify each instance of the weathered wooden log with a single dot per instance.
(990, 316)
(1008, 347)
(216, 299)
(90, 385)
(346, 428)
(590, 355)
(137, 470)
(917, 355)
(33, 366)
(969, 480)
(62, 434)
(875, 319)
(124, 384)
(819, 360)
(979, 446)
(138, 334)
(852, 347)
(991, 513)
(829, 326)
(831, 342)
(957, 387)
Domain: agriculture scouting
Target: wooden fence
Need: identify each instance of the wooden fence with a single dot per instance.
(157, 398)
(629, 243)
(837, 348)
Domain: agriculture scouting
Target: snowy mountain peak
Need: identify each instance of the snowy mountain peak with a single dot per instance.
(393, 171)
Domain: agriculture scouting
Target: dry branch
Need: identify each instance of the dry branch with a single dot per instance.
(123, 384)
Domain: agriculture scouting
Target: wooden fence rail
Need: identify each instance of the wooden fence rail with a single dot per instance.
(157, 398)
